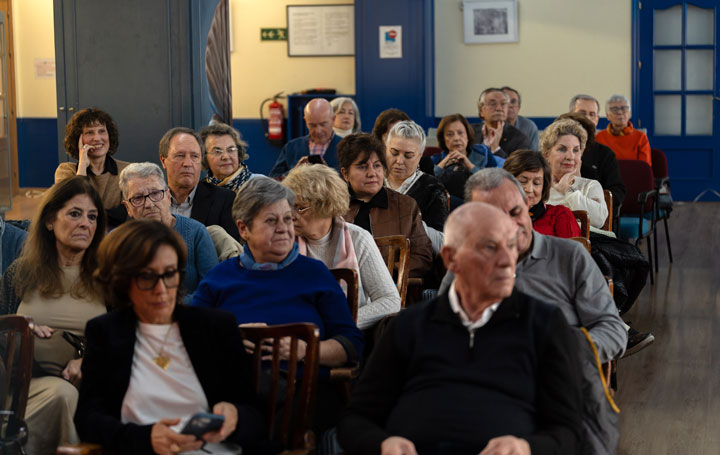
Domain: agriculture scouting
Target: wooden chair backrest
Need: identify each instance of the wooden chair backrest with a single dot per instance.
(350, 277)
(582, 217)
(16, 356)
(299, 394)
(585, 242)
(396, 250)
(608, 226)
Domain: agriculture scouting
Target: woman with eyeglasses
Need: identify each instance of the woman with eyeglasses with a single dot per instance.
(146, 196)
(620, 135)
(225, 155)
(52, 283)
(153, 363)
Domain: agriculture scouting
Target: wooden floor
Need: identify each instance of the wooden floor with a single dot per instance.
(667, 395)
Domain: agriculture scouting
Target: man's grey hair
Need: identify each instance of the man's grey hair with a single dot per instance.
(140, 171)
(481, 100)
(337, 103)
(257, 193)
(617, 99)
(574, 100)
(407, 130)
(164, 146)
(488, 179)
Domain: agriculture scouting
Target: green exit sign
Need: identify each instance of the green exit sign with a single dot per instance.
(273, 34)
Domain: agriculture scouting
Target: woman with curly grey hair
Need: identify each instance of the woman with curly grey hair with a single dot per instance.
(225, 155)
(562, 145)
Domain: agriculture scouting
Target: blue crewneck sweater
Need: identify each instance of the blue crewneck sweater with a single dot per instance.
(304, 291)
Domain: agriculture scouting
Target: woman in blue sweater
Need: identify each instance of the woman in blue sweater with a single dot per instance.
(271, 283)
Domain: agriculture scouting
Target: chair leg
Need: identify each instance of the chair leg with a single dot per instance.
(650, 258)
(657, 258)
(667, 239)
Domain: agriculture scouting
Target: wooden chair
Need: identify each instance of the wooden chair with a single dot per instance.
(295, 426)
(608, 226)
(585, 242)
(396, 251)
(350, 277)
(582, 217)
(16, 356)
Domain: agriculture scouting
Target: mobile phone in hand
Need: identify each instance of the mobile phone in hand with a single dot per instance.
(203, 422)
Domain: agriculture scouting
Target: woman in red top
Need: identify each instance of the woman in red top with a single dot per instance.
(533, 173)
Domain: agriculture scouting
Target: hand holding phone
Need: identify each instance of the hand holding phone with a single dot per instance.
(202, 423)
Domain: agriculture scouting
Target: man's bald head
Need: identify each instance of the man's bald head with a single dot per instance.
(319, 118)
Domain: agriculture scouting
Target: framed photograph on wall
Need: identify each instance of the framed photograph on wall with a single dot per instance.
(490, 21)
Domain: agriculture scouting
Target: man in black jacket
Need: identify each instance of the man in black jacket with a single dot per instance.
(493, 108)
(481, 368)
(181, 154)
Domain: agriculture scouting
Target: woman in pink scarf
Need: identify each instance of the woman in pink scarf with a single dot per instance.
(321, 198)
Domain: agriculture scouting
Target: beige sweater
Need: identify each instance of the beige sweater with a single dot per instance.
(106, 184)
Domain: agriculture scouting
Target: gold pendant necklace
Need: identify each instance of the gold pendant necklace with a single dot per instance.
(162, 360)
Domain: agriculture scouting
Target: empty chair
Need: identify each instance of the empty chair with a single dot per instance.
(664, 199)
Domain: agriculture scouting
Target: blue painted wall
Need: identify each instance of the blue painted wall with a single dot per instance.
(37, 151)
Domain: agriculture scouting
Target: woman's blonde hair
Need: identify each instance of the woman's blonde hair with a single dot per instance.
(322, 188)
(558, 129)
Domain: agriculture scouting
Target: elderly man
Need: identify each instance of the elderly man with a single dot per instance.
(493, 109)
(627, 142)
(321, 140)
(481, 368)
(146, 196)
(598, 160)
(181, 154)
(524, 124)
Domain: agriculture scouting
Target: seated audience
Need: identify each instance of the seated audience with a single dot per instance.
(493, 109)
(514, 118)
(347, 116)
(379, 210)
(385, 121)
(146, 196)
(598, 161)
(152, 363)
(272, 283)
(481, 369)
(620, 135)
(460, 156)
(225, 155)
(403, 150)
(533, 173)
(52, 283)
(91, 138)
(321, 199)
(321, 140)
(181, 154)
(562, 144)
(13, 239)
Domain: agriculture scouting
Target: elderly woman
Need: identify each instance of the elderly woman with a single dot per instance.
(91, 138)
(620, 135)
(321, 199)
(379, 210)
(385, 121)
(272, 283)
(562, 144)
(347, 116)
(403, 150)
(459, 157)
(52, 282)
(152, 363)
(225, 155)
(533, 172)
(146, 196)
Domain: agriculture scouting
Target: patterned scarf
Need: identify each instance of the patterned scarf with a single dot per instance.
(232, 182)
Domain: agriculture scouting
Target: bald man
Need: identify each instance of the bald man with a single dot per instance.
(321, 140)
(481, 368)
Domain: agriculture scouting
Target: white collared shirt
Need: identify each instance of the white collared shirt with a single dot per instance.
(457, 309)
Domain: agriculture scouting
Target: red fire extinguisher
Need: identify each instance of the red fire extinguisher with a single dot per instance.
(276, 119)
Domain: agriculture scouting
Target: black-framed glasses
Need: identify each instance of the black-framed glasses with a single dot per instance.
(155, 196)
(147, 281)
(217, 151)
(619, 109)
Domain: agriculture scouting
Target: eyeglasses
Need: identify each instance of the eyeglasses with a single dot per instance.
(300, 210)
(147, 281)
(619, 109)
(155, 196)
(217, 152)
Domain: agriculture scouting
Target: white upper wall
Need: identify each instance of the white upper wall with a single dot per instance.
(565, 47)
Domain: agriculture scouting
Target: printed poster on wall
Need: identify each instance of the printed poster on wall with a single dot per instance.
(390, 41)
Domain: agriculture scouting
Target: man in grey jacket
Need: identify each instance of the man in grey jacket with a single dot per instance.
(554, 270)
